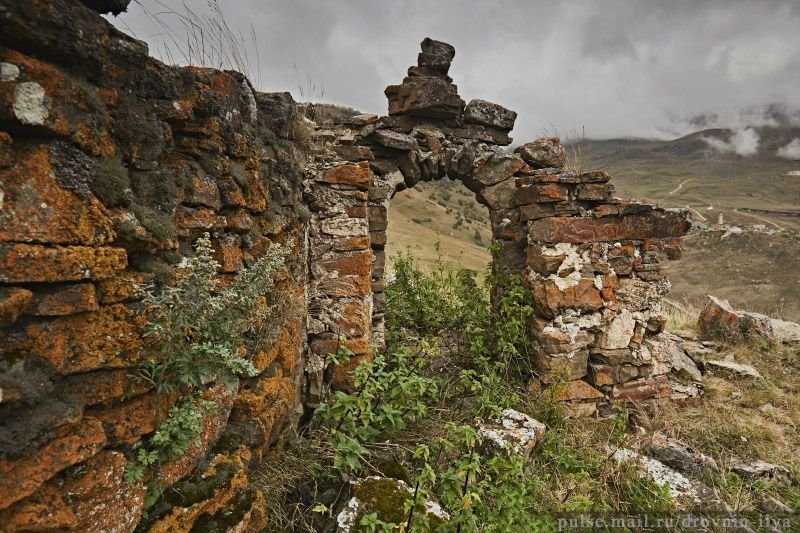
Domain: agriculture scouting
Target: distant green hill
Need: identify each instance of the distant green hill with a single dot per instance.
(756, 271)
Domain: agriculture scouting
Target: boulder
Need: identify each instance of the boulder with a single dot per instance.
(512, 433)
(489, 114)
(680, 456)
(720, 320)
(545, 152)
(759, 469)
(688, 493)
(783, 331)
(387, 498)
(731, 367)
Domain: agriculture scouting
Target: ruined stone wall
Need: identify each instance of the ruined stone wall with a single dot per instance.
(591, 261)
(111, 165)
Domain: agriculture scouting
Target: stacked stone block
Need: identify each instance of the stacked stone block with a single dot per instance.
(340, 259)
(594, 267)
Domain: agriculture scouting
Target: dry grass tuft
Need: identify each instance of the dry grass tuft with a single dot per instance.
(681, 316)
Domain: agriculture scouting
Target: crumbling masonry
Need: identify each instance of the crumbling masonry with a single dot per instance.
(592, 261)
(112, 164)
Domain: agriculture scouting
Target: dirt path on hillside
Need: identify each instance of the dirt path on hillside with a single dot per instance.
(679, 187)
(738, 212)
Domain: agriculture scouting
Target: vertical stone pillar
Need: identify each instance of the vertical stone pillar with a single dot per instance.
(594, 268)
(340, 259)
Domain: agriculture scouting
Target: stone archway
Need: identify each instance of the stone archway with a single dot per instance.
(592, 261)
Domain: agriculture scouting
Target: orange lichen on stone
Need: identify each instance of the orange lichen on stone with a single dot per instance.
(356, 174)
(63, 300)
(12, 302)
(21, 263)
(229, 256)
(22, 477)
(189, 220)
(107, 338)
(351, 244)
(355, 264)
(256, 193)
(100, 498)
(44, 510)
(263, 394)
(572, 390)
(123, 286)
(98, 387)
(341, 376)
(284, 349)
(71, 108)
(328, 346)
(213, 424)
(36, 208)
(354, 318)
(129, 421)
(183, 518)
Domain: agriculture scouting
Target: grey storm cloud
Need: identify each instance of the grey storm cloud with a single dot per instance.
(609, 68)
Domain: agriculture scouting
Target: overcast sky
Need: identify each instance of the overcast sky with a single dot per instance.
(613, 67)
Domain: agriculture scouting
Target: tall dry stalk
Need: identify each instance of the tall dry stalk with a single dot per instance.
(202, 39)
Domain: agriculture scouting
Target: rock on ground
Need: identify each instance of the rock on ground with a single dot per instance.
(759, 469)
(687, 493)
(733, 368)
(719, 319)
(386, 497)
(513, 432)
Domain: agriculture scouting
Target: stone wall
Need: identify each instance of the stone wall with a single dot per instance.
(591, 261)
(111, 165)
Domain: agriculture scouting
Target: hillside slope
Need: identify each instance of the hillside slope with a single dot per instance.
(753, 270)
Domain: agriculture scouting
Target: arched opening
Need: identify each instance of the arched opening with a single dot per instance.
(439, 221)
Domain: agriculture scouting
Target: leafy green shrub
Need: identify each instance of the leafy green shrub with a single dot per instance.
(390, 392)
(194, 336)
(430, 304)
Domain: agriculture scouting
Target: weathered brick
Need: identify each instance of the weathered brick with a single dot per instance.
(34, 263)
(107, 338)
(74, 444)
(644, 389)
(554, 368)
(35, 207)
(356, 174)
(355, 264)
(62, 300)
(101, 498)
(44, 510)
(656, 224)
(572, 390)
(538, 194)
(549, 300)
(595, 192)
(12, 302)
